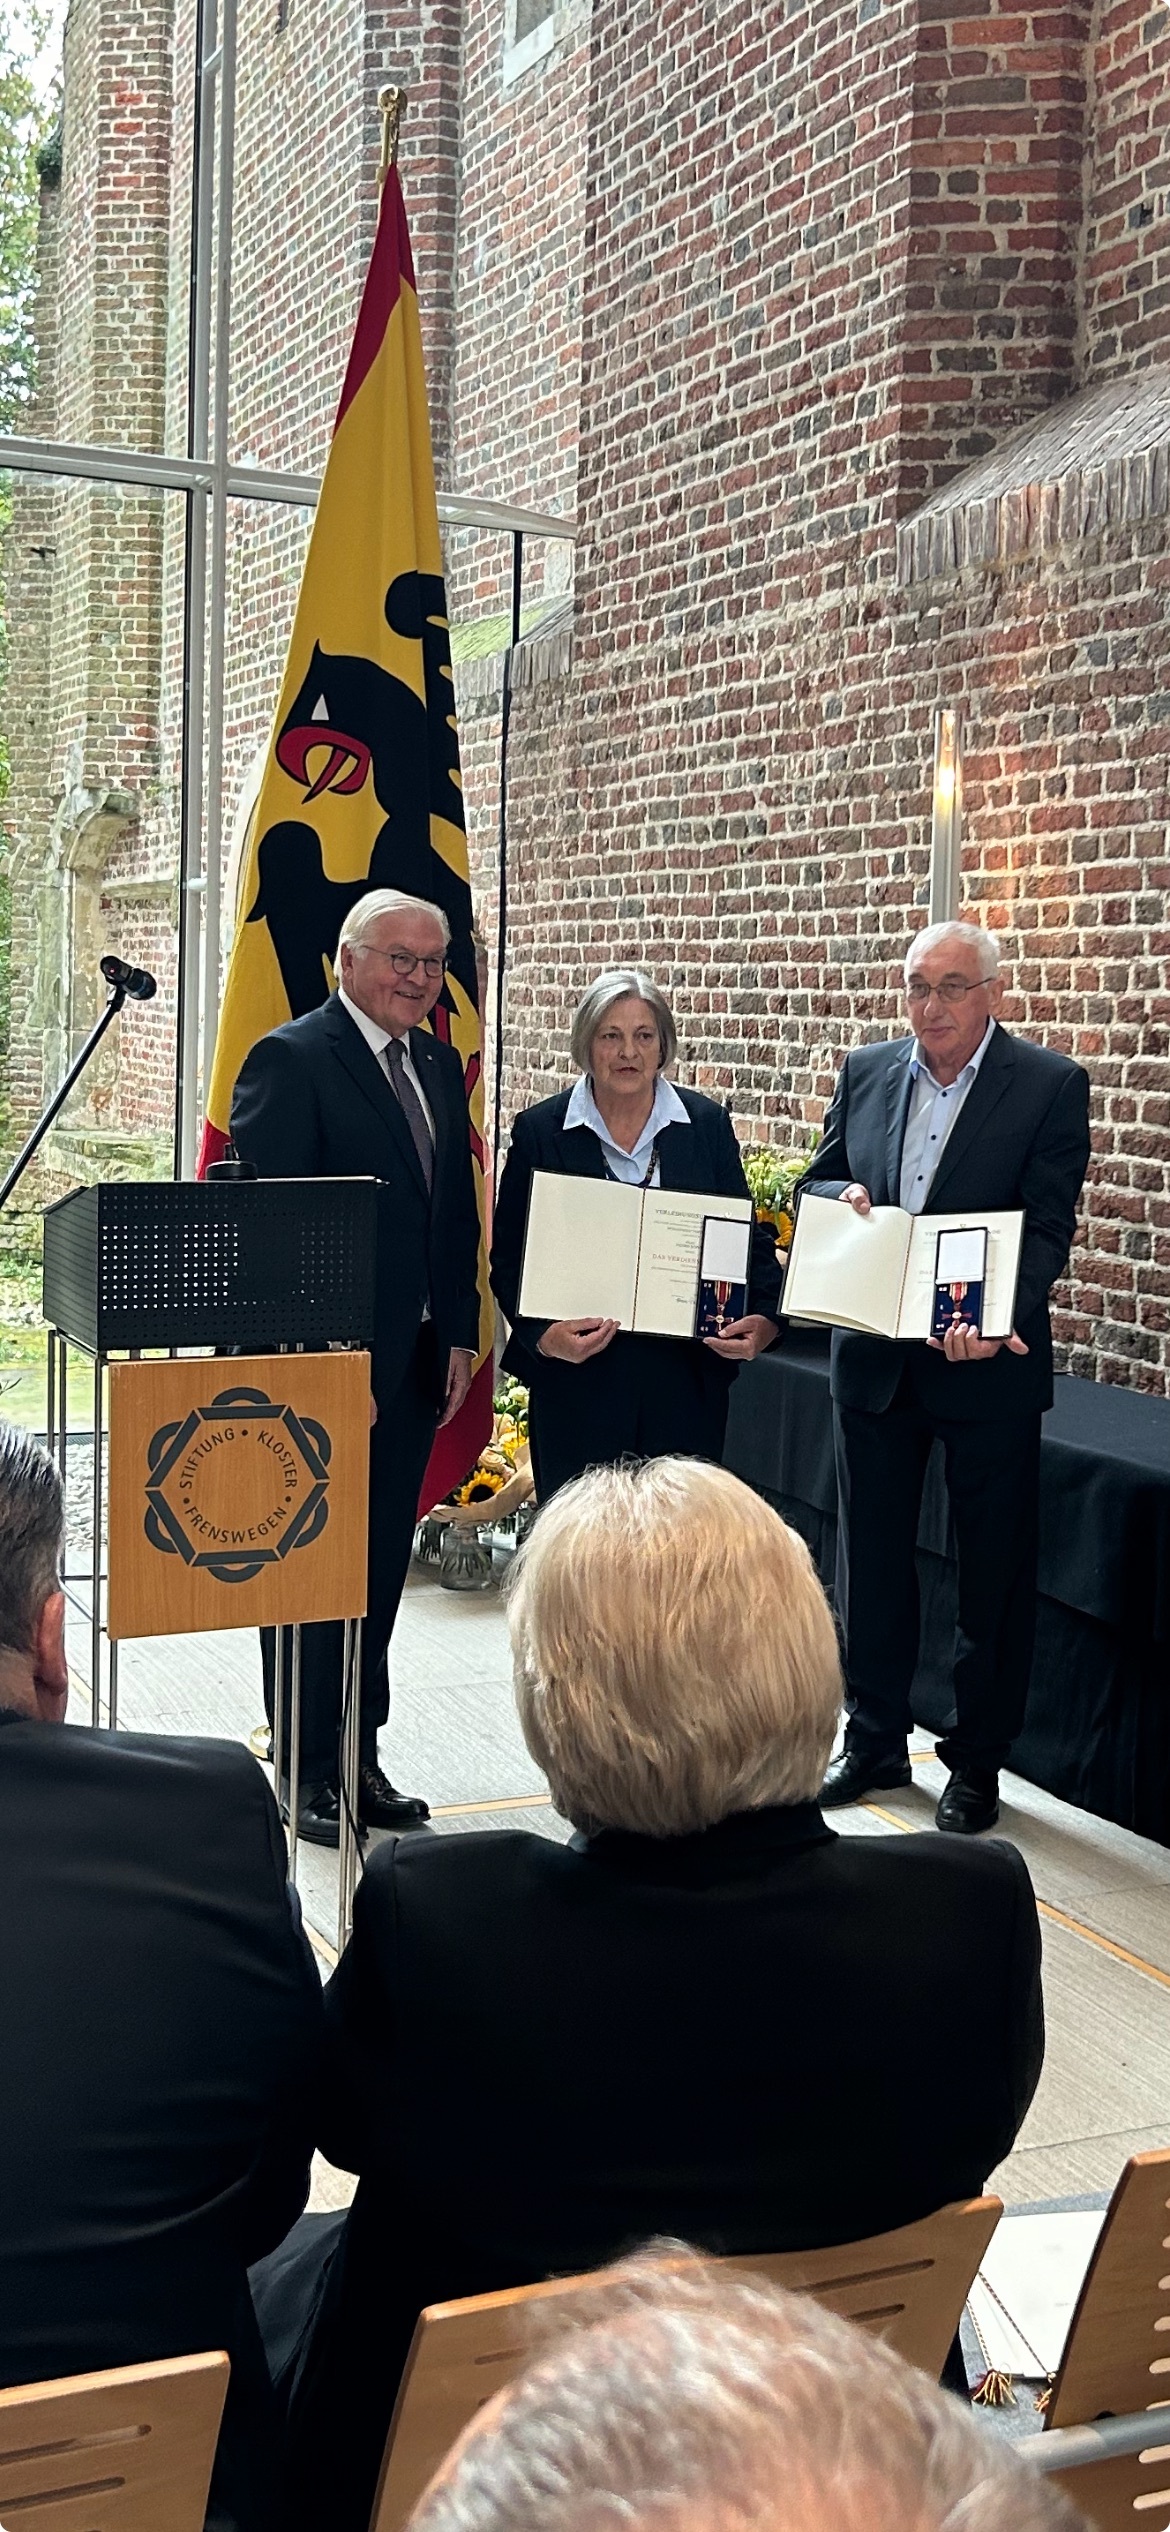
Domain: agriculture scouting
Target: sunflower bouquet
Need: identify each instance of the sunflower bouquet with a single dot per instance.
(500, 1483)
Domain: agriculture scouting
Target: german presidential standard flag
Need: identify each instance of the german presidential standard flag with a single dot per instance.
(361, 788)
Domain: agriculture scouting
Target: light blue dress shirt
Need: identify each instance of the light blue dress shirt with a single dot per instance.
(668, 1109)
(930, 1122)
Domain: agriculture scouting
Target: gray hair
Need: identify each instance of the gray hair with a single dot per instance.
(692, 2400)
(674, 1655)
(32, 1523)
(618, 984)
(360, 920)
(936, 933)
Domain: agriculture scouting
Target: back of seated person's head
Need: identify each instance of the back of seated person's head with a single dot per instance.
(674, 1654)
(34, 1679)
(697, 2402)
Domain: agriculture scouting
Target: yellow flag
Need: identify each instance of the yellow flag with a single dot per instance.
(361, 786)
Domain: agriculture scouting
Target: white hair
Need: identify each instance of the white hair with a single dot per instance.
(620, 984)
(684, 2399)
(675, 1659)
(360, 920)
(936, 933)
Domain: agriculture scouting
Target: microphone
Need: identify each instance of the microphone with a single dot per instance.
(133, 980)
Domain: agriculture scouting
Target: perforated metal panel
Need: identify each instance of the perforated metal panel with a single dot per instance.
(249, 1264)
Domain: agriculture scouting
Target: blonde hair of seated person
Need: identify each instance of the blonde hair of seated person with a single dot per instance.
(674, 1654)
(684, 2399)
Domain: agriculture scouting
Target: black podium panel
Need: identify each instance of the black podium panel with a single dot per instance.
(246, 1264)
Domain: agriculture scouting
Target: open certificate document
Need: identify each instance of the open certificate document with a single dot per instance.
(595, 1249)
(877, 1271)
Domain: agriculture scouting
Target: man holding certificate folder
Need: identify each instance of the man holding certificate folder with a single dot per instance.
(963, 1121)
(626, 1255)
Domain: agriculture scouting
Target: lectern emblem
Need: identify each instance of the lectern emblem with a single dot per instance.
(237, 1485)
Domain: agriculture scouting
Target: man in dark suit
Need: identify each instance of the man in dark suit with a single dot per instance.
(359, 1088)
(161, 2019)
(958, 1116)
(693, 2020)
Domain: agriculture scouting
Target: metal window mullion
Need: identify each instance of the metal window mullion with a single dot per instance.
(217, 574)
(248, 483)
(195, 592)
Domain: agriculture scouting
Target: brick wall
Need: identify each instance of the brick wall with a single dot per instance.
(1126, 271)
(996, 152)
(734, 782)
(515, 381)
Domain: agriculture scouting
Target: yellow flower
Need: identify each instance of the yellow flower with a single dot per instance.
(482, 1484)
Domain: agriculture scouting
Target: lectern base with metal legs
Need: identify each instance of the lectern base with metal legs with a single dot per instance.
(288, 1666)
(57, 1437)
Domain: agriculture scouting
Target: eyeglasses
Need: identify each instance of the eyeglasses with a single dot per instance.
(951, 989)
(404, 962)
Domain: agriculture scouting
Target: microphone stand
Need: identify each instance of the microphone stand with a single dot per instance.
(57, 1102)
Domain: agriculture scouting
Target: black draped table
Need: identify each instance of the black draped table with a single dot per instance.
(1097, 1729)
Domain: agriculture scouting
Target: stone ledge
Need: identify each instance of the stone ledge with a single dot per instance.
(1097, 460)
(543, 653)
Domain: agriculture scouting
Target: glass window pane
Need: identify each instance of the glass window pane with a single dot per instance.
(305, 202)
(90, 579)
(107, 316)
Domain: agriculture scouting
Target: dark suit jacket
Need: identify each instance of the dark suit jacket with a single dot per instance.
(765, 2037)
(161, 2020)
(699, 1158)
(312, 1101)
(1021, 1140)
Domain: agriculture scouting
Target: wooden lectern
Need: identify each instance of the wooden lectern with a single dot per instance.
(238, 1475)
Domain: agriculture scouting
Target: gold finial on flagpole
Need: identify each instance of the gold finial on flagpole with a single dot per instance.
(391, 107)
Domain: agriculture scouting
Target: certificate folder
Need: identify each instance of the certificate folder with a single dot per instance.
(876, 1271)
(595, 1249)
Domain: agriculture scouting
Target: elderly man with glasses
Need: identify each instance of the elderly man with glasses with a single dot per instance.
(359, 1089)
(958, 1115)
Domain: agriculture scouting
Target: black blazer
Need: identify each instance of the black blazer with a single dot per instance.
(701, 1158)
(312, 1101)
(161, 2020)
(1021, 1140)
(763, 2038)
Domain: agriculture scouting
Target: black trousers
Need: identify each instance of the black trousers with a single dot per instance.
(645, 1397)
(400, 1446)
(993, 1481)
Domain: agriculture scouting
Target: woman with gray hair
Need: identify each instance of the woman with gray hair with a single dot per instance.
(598, 1393)
(693, 2018)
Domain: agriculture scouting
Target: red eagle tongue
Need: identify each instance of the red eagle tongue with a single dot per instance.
(294, 748)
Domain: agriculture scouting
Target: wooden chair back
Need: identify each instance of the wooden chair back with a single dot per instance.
(909, 2287)
(1117, 2354)
(127, 2451)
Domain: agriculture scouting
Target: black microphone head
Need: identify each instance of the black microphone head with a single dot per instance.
(135, 981)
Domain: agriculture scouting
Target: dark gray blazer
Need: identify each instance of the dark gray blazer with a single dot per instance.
(715, 2037)
(1021, 1140)
(162, 2023)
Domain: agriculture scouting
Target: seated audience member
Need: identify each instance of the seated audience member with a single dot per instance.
(705, 2403)
(161, 2020)
(706, 2015)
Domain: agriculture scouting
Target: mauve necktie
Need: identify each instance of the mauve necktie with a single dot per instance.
(412, 1108)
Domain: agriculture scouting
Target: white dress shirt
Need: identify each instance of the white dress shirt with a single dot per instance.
(930, 1122)
(668, 1109)
(378, 1039)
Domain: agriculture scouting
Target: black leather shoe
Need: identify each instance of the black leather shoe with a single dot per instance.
(383, 1807)
(318, 1815)
(970, 1802)
(853, 1775)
